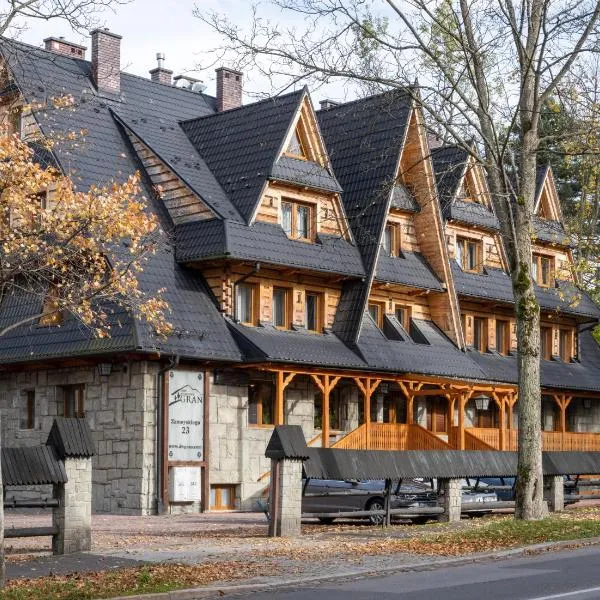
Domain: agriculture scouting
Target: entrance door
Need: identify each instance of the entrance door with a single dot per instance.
(437, 414)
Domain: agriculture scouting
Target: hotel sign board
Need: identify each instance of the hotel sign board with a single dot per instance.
(186, 415)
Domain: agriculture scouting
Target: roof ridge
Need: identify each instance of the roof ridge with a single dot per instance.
(403, 90)
(237, 108)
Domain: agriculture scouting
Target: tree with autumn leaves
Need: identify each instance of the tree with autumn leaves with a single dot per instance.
(78, 252)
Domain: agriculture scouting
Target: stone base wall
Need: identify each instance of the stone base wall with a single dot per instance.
(121, 412)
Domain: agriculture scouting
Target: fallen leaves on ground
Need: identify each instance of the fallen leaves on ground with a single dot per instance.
(138, 580)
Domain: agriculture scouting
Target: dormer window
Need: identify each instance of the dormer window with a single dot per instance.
(297, 220)
(542, 269)
(281, 308)
(245, 302)
(391, 239)
(469, 254)
(377, 310)
(296, 147)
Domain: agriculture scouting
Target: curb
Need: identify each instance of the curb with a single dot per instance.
(234, 590)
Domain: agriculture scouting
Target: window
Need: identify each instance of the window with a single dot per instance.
(51, 313)
(502, 336)
(27, 409)
(313, 312)
(403, 316)
(542, 269)
(296, 147)
(70, 402)
(245, 294)
(297, 220)
(391, 240)
(261, 404)
(281, 304)
(546, 343)
(222, 496)
(376, 310)
(480, 334)
(565, 345)
(469, 254)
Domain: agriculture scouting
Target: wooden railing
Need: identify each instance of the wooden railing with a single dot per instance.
(551, 440)
(391, 436)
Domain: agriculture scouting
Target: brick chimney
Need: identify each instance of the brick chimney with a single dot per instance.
(106, 61)
(229, 88)
(160, 74)
(62, 46)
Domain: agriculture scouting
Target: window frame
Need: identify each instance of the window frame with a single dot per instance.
(480, 343)
(395, 239)
(504, 326)
(380, 312)
(287, 307)
(78, 390)
(319, 311)
(216, 490)
(462, 255)
(407, 312)
(546, 335)
(301, 143)
(252, 287)
(295, 205)
(565, 348)
(537, 271)
(28, 423)
(256, 397)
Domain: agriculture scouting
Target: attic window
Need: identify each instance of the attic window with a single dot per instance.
(542, 269)
(296, 147)
(391, 239)
(469, 254)
(298, 220)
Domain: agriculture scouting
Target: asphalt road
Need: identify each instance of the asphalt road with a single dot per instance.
(572, 574)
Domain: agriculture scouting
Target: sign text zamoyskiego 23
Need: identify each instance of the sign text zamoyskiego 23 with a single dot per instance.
(186, 415)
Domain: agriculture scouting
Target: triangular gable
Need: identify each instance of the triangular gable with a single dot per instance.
(303, 139)
(473, 187)
(547, 204)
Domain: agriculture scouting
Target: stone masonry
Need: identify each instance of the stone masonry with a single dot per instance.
(121, 412)
(289, 500)
(452, 496)
(554, 492)
(73, 517)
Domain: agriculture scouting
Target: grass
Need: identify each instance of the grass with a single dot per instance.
(125, 582)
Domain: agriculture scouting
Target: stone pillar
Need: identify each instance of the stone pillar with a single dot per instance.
(451, 490)
(73, 516)
(286, 498)
(554, 492)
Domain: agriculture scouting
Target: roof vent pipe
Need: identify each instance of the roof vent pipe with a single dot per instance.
(160, 74)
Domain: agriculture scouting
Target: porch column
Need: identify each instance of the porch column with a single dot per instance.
(367, 386)
(283, 381)
(462, 401)
(500, 400)
(325, 383)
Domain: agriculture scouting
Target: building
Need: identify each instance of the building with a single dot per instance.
(328, 268)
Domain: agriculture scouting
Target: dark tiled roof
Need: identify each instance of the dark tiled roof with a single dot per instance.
(583, 375)
(364, 139)
(305, 173)
(495, 284)
(302, 347)
(71, 438)
(449, 164)
(103, 155)
(265, 242)
(471, 213)
(550, 231)
(240, 146)
(439, 356)
(403, 199)
(37, 465)
(411, 269)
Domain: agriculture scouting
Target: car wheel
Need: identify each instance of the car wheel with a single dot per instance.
(327, 520)
(375, 504)
(420, 520)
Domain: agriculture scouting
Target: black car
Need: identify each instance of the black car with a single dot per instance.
(505, 487)
(330, 496)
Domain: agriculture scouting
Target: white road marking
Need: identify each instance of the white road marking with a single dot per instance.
(568, 594)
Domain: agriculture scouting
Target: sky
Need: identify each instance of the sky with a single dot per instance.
(168, 26)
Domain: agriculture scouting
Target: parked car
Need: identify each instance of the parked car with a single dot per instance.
(504, 487)
(331, 496)
(474, 501)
